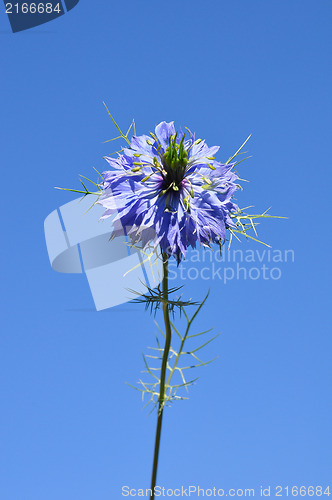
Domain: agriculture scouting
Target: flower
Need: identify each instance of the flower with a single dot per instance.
(170, 190)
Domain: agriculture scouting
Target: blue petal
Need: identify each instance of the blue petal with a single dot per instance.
(163, 131)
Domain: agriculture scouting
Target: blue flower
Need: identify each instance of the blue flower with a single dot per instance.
(170, 190)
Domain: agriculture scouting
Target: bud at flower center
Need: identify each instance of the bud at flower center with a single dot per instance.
(175, 160)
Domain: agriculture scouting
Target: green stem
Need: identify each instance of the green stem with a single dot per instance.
(161, 400)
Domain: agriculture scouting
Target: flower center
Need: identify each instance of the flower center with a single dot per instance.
(174, 161)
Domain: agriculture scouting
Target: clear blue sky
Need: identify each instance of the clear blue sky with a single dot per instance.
(70, 428)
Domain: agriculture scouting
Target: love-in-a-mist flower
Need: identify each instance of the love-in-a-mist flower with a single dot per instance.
(170, 189)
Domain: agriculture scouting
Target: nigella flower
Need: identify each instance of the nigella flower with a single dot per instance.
(170, 190)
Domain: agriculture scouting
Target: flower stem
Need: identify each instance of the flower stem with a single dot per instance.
(161, 400)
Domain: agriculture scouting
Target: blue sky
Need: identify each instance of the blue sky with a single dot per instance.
(260, 414)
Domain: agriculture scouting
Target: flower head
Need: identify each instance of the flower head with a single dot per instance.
(171, 190)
